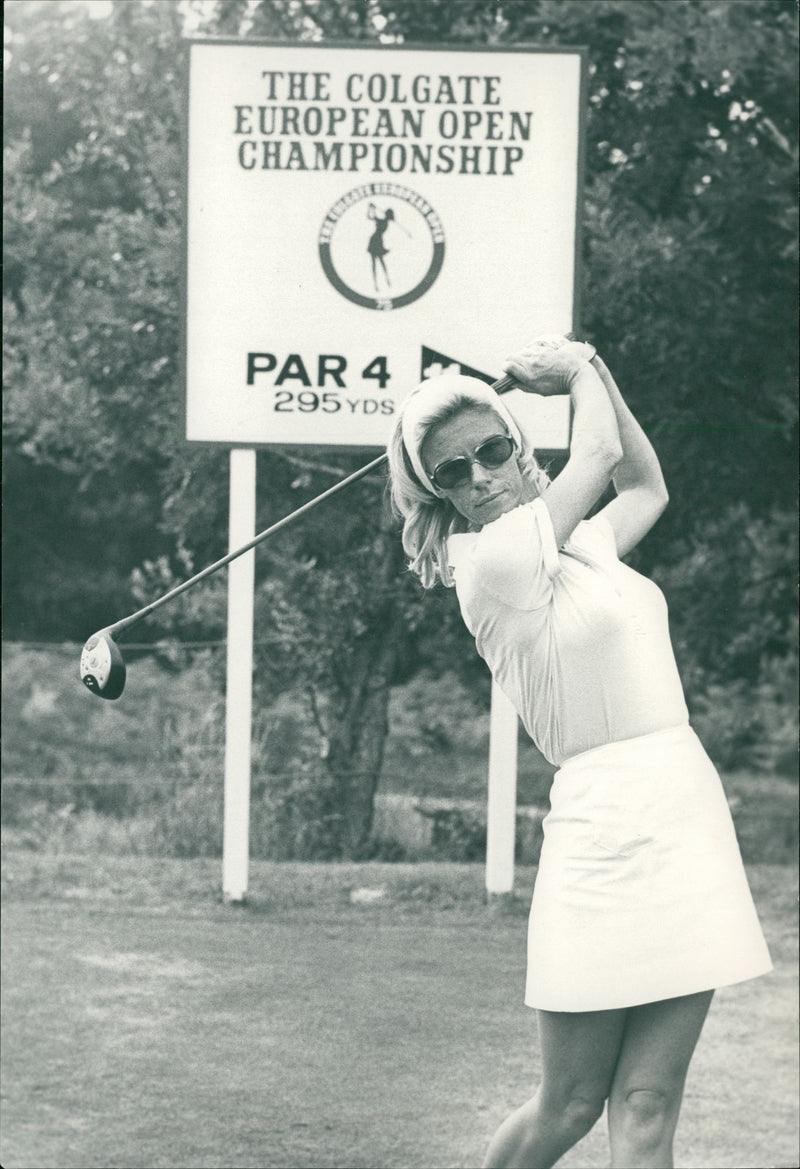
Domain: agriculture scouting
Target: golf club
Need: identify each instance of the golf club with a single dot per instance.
(102, 666)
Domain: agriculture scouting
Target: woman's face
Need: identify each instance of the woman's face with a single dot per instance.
(487, 493)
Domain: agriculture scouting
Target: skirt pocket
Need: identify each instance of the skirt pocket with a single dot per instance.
(622, 845)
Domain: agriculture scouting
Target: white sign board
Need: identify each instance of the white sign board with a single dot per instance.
(360, 217)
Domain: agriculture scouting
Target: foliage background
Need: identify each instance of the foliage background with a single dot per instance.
(690, 244)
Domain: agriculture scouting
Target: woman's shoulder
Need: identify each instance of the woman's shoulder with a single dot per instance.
(594, 537)
(513, 558)
(460, 547)
(532, 520)
(514, 522)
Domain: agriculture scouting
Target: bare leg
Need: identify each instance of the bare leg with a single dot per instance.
(579, 1054)
(646, 1095)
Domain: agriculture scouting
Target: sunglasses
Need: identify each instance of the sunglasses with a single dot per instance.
(491, 453)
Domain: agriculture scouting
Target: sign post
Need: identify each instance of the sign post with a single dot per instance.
(239, 693)
(361, 216)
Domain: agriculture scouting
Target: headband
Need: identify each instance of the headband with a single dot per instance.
(426, 403)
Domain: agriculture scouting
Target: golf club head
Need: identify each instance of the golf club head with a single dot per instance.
(102, 666)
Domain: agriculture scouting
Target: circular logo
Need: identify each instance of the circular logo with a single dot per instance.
(381, 245)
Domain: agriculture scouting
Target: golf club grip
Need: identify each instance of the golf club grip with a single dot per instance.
(501, 386)
(504, 384)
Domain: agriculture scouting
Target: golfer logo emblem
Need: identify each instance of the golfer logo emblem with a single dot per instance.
(381, 245)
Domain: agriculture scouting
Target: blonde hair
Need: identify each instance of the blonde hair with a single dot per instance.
(428, 519)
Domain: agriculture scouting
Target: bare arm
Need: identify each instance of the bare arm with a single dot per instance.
(638, 481)
(595, 447)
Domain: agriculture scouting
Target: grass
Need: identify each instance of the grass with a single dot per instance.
(148, 1025)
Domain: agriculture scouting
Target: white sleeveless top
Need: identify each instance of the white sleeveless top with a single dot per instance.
(578, 641)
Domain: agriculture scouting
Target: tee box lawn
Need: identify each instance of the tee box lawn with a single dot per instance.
(146, 1024)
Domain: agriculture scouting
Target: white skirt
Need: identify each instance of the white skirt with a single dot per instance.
(641, 893)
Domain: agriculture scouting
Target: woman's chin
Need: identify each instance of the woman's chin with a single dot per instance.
(495, 507)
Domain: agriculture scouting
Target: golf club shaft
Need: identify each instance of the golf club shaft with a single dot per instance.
(502, 386)
(126, 622)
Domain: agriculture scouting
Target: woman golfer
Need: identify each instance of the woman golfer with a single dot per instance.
(641, 906)
(376, 247)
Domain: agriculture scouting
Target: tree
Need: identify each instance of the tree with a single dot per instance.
(91, 325)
